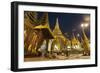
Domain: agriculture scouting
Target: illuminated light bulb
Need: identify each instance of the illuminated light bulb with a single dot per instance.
(82, 25)
(86, 25)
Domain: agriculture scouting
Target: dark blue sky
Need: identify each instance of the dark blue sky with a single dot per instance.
(69, 22)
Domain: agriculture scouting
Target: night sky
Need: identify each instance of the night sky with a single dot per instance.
(69, 23)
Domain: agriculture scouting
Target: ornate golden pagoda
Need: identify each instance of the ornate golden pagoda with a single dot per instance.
(59, 41)
(46, 31)
(75, 43)
(57, 31)
(30, 20)
(44, 27)
(38, 34)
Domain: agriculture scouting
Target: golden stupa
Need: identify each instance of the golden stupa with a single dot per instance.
(59, 41)
(75, 43)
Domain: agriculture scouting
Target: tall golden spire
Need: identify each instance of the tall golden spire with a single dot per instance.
(84, 36)
(75, 42)
(57, 30)
(86, 45)
(45, 19)
(74, 37)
